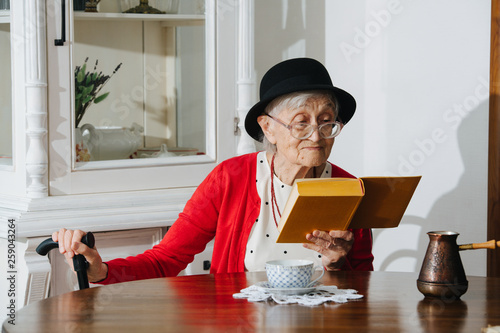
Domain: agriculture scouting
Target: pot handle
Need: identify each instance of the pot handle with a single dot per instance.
(492, 244)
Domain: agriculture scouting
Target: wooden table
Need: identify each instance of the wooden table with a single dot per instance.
(204, 303)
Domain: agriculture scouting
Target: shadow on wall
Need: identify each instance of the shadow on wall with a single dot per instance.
(458, 209)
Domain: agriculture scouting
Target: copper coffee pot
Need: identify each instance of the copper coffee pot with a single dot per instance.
(442, 274)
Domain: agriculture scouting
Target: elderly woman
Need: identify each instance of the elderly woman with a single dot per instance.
(238, 205)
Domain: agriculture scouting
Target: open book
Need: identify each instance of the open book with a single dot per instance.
(343, 203)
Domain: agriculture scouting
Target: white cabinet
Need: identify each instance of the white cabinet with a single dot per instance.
(165, 93)
(186, 81)
(5, 91)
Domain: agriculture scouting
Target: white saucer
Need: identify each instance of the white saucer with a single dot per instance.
(284, 291)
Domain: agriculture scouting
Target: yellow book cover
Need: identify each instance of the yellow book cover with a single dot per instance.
(342, 203)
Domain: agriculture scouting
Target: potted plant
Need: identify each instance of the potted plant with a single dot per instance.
(88, 85)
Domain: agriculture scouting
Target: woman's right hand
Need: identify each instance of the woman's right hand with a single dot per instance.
(70, 245)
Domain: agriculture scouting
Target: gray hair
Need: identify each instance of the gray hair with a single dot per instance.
(293, 101)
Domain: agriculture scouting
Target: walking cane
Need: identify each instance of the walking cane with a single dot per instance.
(80, 265)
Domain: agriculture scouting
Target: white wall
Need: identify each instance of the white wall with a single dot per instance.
(419, 71)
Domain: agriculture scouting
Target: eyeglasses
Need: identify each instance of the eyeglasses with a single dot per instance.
(302, 131)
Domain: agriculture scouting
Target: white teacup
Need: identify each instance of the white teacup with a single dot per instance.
(294, 273)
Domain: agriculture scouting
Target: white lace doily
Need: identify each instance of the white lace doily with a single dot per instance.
(320, 295)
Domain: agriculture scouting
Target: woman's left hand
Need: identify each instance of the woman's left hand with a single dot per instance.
(333, 246)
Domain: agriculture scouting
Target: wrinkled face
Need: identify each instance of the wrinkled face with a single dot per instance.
(313, 151)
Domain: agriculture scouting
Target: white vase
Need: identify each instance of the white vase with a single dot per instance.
(112, 142)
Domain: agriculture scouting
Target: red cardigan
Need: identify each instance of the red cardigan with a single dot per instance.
(224, 206)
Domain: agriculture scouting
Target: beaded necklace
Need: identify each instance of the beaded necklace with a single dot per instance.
(274, 202)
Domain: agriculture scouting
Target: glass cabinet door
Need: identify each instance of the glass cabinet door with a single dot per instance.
(140, 84)
(149, 87)
(5, 86)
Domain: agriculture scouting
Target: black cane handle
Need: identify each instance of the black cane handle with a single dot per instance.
(80, 265)
(49, 244)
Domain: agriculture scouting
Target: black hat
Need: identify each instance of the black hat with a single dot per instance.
(300, 74)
